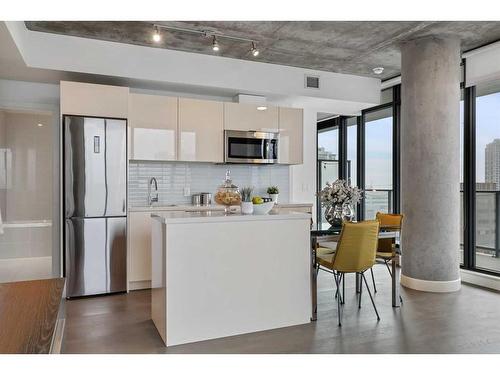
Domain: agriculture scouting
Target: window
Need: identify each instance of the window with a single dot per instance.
(352, 150)
(378, 162)
(487, 162)
(328, 160)
(364, 146)
(461, 250)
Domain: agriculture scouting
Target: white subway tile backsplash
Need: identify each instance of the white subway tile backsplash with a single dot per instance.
(173, 177)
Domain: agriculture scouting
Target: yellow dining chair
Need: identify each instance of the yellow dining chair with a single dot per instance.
(386, 249)
(355, 253)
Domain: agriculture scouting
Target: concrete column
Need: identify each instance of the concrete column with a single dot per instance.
(430, 164)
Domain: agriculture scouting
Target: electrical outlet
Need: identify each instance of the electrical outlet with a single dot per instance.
(187, 191)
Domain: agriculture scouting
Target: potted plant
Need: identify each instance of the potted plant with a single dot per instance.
(273, 192)
(338, 198)
(246, 201)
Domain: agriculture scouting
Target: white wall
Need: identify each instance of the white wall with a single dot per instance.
(303, 177)
(41, 97)
(482, 65)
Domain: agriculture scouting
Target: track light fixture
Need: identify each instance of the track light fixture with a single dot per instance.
(206, 34)
(156, 35)
(215, 44)
(254, 50)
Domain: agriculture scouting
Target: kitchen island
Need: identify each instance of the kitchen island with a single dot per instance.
(217, 275)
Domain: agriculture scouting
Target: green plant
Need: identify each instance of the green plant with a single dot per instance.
(273, 190)
(246, 194)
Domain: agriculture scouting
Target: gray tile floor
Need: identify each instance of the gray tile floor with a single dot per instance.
(462, 322)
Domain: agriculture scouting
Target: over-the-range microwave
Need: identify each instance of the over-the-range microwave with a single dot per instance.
(250, 147)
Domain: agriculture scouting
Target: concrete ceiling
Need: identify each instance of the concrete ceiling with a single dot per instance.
(353, 47)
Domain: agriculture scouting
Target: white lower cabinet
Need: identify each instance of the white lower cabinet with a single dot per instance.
(139, 260)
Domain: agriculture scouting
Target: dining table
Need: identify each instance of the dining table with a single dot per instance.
(327, 235)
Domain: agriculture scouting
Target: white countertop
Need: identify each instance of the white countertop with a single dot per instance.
(214, 207)
(179, 217)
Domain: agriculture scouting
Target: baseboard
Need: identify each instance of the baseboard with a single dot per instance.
(481, 279)
(137, 285)
(431, 285)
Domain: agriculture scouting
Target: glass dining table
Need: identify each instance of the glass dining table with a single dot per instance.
(324, 233)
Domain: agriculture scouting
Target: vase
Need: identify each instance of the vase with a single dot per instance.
(333, 214)
(347, 212)
(274, 197)
(246, 208)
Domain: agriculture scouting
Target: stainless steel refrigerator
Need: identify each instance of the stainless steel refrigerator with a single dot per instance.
(95, 205)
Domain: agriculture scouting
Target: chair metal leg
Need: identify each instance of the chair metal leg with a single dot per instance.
(359, 295)
(338, 299)
(370, 294)
(388, 268)
(373, 280)
(337, 292)
(343, 288)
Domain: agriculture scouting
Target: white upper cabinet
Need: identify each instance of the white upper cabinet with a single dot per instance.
(248, 117)
(201, 130)
(152, 124)
(290, 148)
(86, 99)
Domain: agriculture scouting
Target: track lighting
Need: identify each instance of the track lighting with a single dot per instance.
(205, 34)
(254, 50)
(215, 44)
(156, 35)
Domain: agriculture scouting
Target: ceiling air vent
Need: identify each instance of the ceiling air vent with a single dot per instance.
(312, 82)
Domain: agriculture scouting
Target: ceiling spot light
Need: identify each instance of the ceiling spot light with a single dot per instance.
(39, 125)
(254, 50)
(261, 108)
(215, 44)
(378, 70)
(156, 35)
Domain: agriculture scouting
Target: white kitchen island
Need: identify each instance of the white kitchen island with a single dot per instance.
(217, 275)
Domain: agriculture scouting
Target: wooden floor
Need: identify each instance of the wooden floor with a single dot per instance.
(462, 322)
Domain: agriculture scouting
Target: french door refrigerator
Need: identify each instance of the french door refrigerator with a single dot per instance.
(95, 200)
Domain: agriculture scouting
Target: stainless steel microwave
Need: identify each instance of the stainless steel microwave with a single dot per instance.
(250, 147)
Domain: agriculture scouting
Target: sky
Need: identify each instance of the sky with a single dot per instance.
(487, 128)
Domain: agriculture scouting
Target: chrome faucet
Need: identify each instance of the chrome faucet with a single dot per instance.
(152, 198)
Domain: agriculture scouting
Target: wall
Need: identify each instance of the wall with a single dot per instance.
(303, 177)
(40, 97)
(173, 177)
(29, 196)
(3, 161)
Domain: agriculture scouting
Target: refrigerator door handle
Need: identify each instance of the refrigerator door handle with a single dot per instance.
(123, 206)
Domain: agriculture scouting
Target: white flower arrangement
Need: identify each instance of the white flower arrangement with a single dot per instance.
(340, 193)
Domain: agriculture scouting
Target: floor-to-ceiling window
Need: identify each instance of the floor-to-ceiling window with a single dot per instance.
(461, 250)
(360, 149)
(487, 176)
(328, 157)
(378, 162)
(352, 150)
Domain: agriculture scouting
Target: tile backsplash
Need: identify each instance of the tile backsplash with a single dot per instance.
(174, 177)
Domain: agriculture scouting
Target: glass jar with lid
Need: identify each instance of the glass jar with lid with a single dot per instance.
(228, 194)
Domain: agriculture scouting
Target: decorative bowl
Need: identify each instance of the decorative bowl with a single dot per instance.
(263, 208)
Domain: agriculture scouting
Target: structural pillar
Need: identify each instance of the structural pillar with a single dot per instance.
(430, 164)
